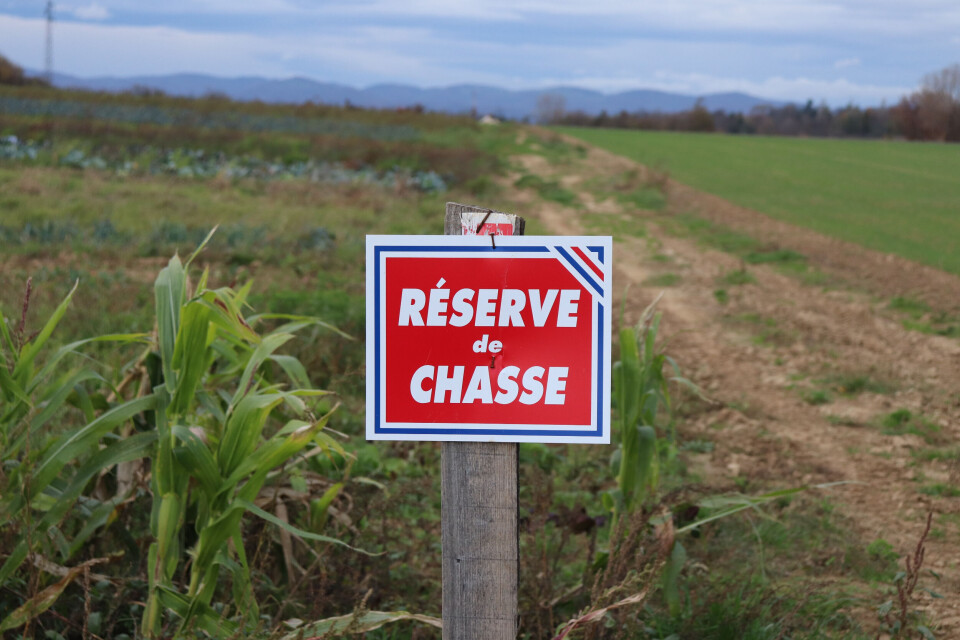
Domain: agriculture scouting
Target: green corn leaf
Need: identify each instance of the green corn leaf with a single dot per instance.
(276, 451)
(67, 447)
(639, 471)
(296, 323)
(7, 338)
(81, 399)
(328, 444)
(243, 594)
(211, 406)
(227, 314)
(241, 295)
(359, 622)
(191, 357)
(203, 617)
(195, 458)
(169, 291)
(30, 350)
(52, 364)
(628, 478)
(202, 283)
(10, 388)
(294, 370)
(243, 430)
(200, 247)
(269, 344)
(319, 508)
(213, 537)
(269, 517)
(132, 448)
(628, 379)
(61, 391)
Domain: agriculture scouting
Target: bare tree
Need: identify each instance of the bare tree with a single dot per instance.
(550, 108)
(933, 112)
(946, 81)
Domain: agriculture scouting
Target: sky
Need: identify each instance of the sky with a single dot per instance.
(837, 51)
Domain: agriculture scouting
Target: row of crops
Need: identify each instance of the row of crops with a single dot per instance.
(197, 163)
(103, 233)
(234, 120)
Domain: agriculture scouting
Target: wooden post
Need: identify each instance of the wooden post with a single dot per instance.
(479, 517)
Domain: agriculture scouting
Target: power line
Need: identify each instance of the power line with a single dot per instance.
(49, 57)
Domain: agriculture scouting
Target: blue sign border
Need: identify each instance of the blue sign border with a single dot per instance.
(465, 245)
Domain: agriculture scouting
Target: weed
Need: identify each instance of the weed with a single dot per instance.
(933, 327)
(482, 187)
(648, 198)
(766, 330)
(721, 296)
(852, 384)
(941, 490)
(938, 454)
(618, 226)
(882, 550)
(906, 582)
(817, 397)
(914, 308)
(737, 277)
(774, 256)
(697, 446)
(547, 189)
(903, 421)
(664, 280)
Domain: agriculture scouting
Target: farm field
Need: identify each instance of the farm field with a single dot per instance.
(832, 382)
(894, 197)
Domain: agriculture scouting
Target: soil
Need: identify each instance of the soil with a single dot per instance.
(761, 353)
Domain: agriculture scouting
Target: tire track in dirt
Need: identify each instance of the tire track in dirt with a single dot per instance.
(762, 427)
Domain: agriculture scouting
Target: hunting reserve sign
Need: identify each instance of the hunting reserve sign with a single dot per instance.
(474, 340)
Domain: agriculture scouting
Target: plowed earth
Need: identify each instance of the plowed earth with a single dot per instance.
(775, 341)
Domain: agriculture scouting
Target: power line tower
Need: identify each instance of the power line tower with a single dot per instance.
(48, 70)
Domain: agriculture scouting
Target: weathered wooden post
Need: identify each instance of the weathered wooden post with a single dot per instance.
(482, 346)
(479, 510)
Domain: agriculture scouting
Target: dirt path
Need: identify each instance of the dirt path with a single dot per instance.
(784, 361)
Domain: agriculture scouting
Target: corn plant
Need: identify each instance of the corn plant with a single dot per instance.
(219, 412)
(642, 395)
(215, 406)
(45, 467)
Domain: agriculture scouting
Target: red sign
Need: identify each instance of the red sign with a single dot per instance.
(468, 341)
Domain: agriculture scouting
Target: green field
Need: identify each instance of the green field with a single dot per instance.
(895, 197)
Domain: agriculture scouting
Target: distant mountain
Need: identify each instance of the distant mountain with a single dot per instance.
(456, 99)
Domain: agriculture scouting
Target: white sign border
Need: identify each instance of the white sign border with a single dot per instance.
(378, 247)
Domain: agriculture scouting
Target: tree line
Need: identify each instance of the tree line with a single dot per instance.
(930, 113)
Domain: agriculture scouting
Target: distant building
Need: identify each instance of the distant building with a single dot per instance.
(489, 119)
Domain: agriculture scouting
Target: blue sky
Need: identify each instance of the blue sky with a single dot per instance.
(864, 51)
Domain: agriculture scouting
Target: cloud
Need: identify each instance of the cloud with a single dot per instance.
(846, 62)
(92, 11)
(361, 52)
(90, 49)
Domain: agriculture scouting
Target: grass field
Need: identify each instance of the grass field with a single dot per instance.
(895, 197)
